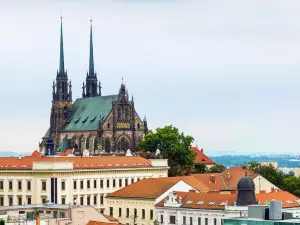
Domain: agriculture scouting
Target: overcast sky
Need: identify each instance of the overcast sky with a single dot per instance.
(225, 72)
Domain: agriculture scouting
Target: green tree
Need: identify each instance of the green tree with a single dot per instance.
(173, 145)
(217, 168)
(272, 174)
(199, 168)
(292, 185)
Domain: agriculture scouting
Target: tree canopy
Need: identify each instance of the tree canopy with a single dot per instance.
(173, 145)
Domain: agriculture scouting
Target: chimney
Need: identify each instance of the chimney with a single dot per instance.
(272, 189)
(228, 175)
(201, 149)
(192, 190)
(37, 219)
(213, 178)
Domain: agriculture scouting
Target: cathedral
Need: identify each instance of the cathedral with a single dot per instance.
(100, 124)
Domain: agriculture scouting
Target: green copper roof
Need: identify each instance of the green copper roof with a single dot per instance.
(61, 55)
(64, 145)
(86, 112)
(47, 133)
(91, 66)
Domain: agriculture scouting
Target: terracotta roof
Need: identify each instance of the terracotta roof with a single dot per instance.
(201, 157)
(152, 188)
(36, 154)
(218, 200)
(110, 218)
(95, 162)
(100, 223)
(227, 180)
(67, 152)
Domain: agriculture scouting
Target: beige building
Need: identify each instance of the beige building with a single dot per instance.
(71, 180)
(135, 204)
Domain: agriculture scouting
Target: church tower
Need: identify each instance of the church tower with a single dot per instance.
(61, 97)
(91, 88)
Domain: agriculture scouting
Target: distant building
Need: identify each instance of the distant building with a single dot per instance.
(202, 158)
(135, 204)
(286, 170)
(71, 180)
(273, 164)
(228, 180)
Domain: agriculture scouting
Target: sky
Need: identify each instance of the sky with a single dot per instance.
(224, 72)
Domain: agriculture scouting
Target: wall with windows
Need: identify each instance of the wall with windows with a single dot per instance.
(81, 187)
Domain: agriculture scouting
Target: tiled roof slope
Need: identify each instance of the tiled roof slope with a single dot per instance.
(227, 180)
(217, 200)
(86, 112)
(201, 157)
(95, 162)
(152, 188)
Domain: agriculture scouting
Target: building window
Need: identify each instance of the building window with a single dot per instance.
(95, 199)
(199, 220)
(75, 184)
(1, 185)
(88, 200)
(206, 221)
(107, 183)
(1, 201)
(28, 200)
(120, 212)
(151, 214)
(28, 185)
(10, 185)
(127, 212)
(81, 200)
(101, 199)
(88, 184)
(126, 182)
(81, 184)
(43, 185)
(184, 220)
(215, 221)
(132, 180)
(191, 220)
(19, 185)
(120, 182)
(95, 183)
(101, 183)
(143, 214)
(114, 183)
(138, 179)
(161, 219)
(43, 200)
(111, 211)
(62, 215)
(135, 213)
(63, 185)
(63, 200)
(172, 219)
(19, 200)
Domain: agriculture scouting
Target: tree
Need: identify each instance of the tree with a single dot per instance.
(217, 168)
(200, 168)
(173, 145)
(292, 184)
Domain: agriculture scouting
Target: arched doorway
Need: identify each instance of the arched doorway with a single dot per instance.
(107, 145)
(123, 144)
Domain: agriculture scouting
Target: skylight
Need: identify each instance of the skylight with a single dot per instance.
(189, 202)
(200, 202)
(289, 201)
(211, 203)
(224, 203)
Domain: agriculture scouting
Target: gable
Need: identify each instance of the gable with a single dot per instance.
(86, 112)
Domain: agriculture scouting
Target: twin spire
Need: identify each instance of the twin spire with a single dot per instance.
(92, 88)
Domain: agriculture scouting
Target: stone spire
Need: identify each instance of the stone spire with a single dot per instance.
(91, 65)
(61, 55)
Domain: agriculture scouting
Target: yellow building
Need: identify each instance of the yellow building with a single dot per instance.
(135, 204)
(71, 180)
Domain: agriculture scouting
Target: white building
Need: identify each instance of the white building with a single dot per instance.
(76, 180)
(193, 208)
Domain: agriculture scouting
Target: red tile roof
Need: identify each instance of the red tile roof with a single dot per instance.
(201, 157)
(67, 152)
(217, 200)
(100, 223)
(227, 180)
(110, 218)
(152, 188)
(36, 154)
(95, 162)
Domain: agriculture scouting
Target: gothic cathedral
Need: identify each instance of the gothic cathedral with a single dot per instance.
(101, 124)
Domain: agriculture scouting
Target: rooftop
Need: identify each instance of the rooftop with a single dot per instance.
(201, 157)
(152, 188)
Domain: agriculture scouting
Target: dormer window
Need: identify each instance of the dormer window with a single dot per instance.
(108, 125)
(138, 126)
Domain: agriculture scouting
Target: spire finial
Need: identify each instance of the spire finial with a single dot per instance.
(61, 56)
(91, 66)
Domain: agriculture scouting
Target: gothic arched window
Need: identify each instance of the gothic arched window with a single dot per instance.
(127, 113)
(119, 112)
(107, 145)
(123, 144)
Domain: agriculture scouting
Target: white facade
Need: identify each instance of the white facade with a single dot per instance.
(262, 184)
(87, 186)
